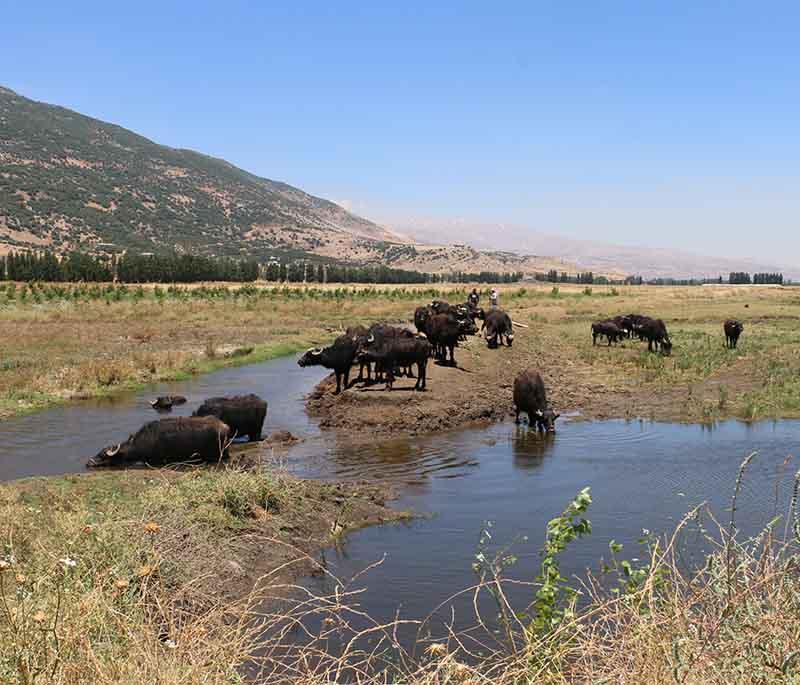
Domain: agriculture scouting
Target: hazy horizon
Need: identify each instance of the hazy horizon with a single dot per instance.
(670, 127)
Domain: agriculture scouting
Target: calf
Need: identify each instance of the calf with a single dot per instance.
(530, 397)
(609, 329)
(398, 351)
(733, 329)
(245, 414)
(339, 357)
(169, 440)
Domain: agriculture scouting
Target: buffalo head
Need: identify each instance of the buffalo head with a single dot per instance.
(311, 358)
(110, 456)
(546, 420)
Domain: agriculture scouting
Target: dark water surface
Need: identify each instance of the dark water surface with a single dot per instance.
(643, 476)
(60, 440)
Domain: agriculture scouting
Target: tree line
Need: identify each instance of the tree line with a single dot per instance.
(74, 267)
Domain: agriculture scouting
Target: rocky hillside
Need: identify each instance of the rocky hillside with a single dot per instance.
(68, 181)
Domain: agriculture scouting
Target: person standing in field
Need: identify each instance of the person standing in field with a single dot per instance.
(494, 297)
(473, 299)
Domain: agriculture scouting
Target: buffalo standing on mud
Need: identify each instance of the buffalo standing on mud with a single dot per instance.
(169, 440)
(391, 352)
(245, 414)
(497, 324)
(530, 397)
(444, 330)
(733, 329)
(338, 357)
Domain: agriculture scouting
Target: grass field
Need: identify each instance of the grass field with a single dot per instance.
(149, 576)
(59, 343)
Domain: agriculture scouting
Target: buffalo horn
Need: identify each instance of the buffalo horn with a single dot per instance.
(112, 452)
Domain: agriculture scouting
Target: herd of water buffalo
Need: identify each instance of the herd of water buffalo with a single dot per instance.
(382, 352)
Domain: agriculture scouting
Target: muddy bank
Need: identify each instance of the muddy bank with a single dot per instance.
(479, 390)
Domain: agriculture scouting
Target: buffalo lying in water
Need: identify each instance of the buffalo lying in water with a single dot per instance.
(170, 440)
(166, 402)
(245, 414)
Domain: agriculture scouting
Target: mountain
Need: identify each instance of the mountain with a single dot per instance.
(68, 181)
(586, 255)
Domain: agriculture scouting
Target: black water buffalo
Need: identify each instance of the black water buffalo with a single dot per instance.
(245, 414)
(655, 332)
(376, 335)
(625, 324)
(339, 357)
(637, 321)
(166, 402)
(444, 330)
(609, 329)
(399, 351)
(530, 397)
(733, 329)
(497, 324)
(421, 316)
(169, 440)
(358, 334)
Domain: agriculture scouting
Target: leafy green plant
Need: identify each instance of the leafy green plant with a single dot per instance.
(555, 598)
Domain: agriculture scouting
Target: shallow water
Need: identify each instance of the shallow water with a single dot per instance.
(642, 475)
(60, 440)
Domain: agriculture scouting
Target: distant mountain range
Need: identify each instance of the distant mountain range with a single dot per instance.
(587, 255)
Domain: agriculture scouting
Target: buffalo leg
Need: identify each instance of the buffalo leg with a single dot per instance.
(347, 378)
(338, 382)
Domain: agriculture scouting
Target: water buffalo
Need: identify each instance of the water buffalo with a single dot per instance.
(166, 402)
(655, 332)
(169, 440)
(391, 352)
(625, 324)
(339, 357)
(530, 397)
(609, 329)
(358, 334)
(444, 330)
(497, 324)
(421, 316)
(733, 329)
(245, 414)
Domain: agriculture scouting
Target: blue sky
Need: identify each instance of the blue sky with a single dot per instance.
(673, 125)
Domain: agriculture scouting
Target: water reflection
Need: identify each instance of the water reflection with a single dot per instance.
(529, 447)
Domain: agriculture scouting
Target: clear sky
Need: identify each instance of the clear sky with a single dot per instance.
(668, 124)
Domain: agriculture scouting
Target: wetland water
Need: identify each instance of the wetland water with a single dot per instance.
(642, 475)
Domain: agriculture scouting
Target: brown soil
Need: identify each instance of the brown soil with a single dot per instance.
(479, 390)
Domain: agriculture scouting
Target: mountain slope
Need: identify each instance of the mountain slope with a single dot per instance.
(68, 181)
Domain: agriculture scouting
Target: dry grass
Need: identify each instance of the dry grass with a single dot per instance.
(58, 346)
